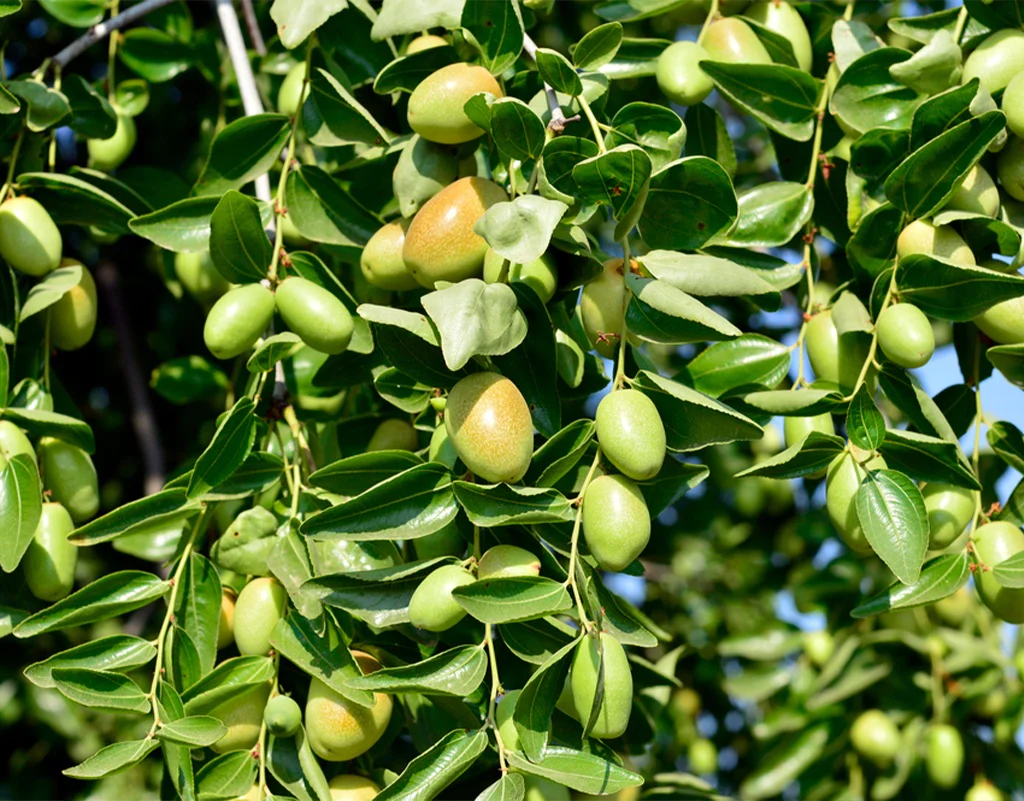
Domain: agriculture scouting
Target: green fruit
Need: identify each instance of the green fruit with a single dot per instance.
(339, 730)
(984, 791)
(842, 481)
(822, 342)
(995, 543)
(616, 523)
(73, 317)
(261, 603)
(432, 606)
(440, 243)
(941, 241)
(13, 441)
(783, 19)
(246, 545)
(291, 96)
(50, 560)
(441, 448)
(603, 308)
(977, 194)
(108, 154)
(29, 239)
(613, 715)
(950, 509)
(394, 435)
(954, 609)
(504, 561)
(446, 542)
(854, 347)
(1004, 322)
(282, 716)
(733, 41)
(436, 104)
(489, 425)
(797, 429)
(679, 74)
(540, 275)
(945, 757)
(243, 715)
(540, 789)
(631, 434)
(875, 737)
(69, 474)
(199, 277)
(226, 624)
(996, 60)
(1010, 167)
(382, 264)
(507, 726)
(237, 320)
(819, 646)
(905, 335)
(703, 756)
(316, 315)
(1013, 104)
(348, 787)
(425, 42)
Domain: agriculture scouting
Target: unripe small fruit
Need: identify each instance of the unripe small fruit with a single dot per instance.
(489, 425)
(616, 522)
(29, 239)
(504, 561)
(13, 441)
(996, 60)
(69, 474)
(316, 315)
(994, 543)
(679, 74)
(703, 756)
(819, 646)
(950, 509)
(425, 42)
(73, 317)
(540, 274)
(905, 335)
(349, 787)
(731, 40)
(613, 716)
(984, 791)
(199, 277)
(436, 104)
(381, 263)
(260, 605)
(945, 756)
(796, 429)
(822, 342)
(432, 606)
(243, 715)
(237, 320)
(603, 308)
(226, 624)
(1010, 167)
(1004, 322)
(108, 154)
(394, 435)
(1012, 104)
(291, 96)
(941, 241)
(875, 737)
(631, 434)
(954, 609)
(843, 479)
(282, 716)
(783, 19)
(977, 194)
(50, 560)
(339, 730)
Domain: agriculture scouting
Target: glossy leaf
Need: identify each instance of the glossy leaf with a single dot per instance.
(100, 689)
(20, 509)
(238, 244)
(582, 771)
(112, 759)
(458, 671)
(242, 150)
(536, 702)
(428, 774)
(950, 291)
(507, 600)
(812, 454)
(688, 203)
(892, 513)
(135, 516)
(184, 226)
(771, 214)
(939, 579)
(227, 451)
(864, 423)
(118, 651)
(751, 360)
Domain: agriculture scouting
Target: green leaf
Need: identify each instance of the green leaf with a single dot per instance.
(536, 641)
(536, 702)
(380, 603)
(155, 55)
(674, 478)
(928, 458)
(1008, 442)
(44, 107)
(40, 423)
(292, 762)
(20, 509)
(397, 18)
(560, 454)
(891, 512)
(711, 276)
(259, 470)
(930, 175)
(504, 505)
(242, 150)
(358, 473)
(272, 350)
(227, 451)
(618, 176)
(100, 689)
(333, 116)
(72, 201)
(404, 74)
(296, 20)
(184, 226)
(689, 202)
(658, 312)
(433, 770)
(1003, 15)
(873, 246)
(784, 98)
(132, 96)
(751, 360)
(475, 318)
(950, 291)
(706, 135)
(813, 453)
(134, 516)
(507, 600)
(458, 671)
(230, 679)
(783, 765)
(107, 597)
(1010, 572)
(510, 787)
(79, 13)
(658, 130)
(558, 72)
(200, 731)
(867, 96)
(415, 503)
(118, 651)
(771, 214)
(498, 31)
(516, 129)
(227, 776)
(864, 423)
(579, 770)
(598, 47)
(112, 758)
(198, 607)
(939, 579)
(5, 376)
(91, 113)
(325, 212)
(291, 563)
(520, 230)
(239, 246)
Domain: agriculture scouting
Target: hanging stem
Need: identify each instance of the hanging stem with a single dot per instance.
(595, 126)
(712, 15)
(111, 54)
(495, 688)
(574, 547)
(620, 370)
(8, 187)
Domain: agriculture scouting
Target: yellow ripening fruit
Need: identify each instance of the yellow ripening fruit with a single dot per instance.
(243, 715)
(731, 40)
(631, 434)
(432, 606)
(349, 787)
(941, 241)
(226, 624)
(260, 605)
(108, 154)
(73, 317)
(1004, 322)
(617, 704)
(394, 435)
(977, 194)
(436, 104)
(783, 19)
(616, 522)
(603, 308)
(425, 42)
(315, 314)
(382, 264)
(69, 475)
(489, 424)
(29, 239)
(440, 243)
(996, 60)
(950, 509)
(339, 730)
(679, 74)
(905, 335)
(843, 479)
(503, 561)
(994, 543)
(237, 320)
(49, 563)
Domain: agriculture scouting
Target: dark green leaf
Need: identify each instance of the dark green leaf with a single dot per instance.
(556, 71)
(598, 47)
(227, 776)
(867, 96)
(199, 731)
(556, 457)
(227, 451)
(100, 689)
(751, 360)
(771, 214)
(135, 516)
(864, 423)
(292, 762)
(404, 74)
(892, 513)
(498, 31)
(618, 177)
(238, 244)
(155, 55)
(91, 113)
(430, 772)
(20, 508)
(689, 202)
(325, 212)
(184, 226)
(242, 150)
(804, 458)
(940, 578)
(517, 130)
(457, 671)
(230, 679)
(72, 201)
(334, 117)
(582, 771)
(536, 703)
(658, 130)
(506, 600)
(928, 458)
(40, 423)
(118, 651)
(1008, 442)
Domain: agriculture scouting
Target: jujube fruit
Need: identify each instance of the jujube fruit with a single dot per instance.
(69, 474)
(942, 241)
(631, 434)
(226, 622)
(822, 342)
(843, 479)
(440, 243)
(260, 605)
(393, 435)
(243, 715)
(237, 320)
(1012, 104)
(315, 314)
(679, 74)
(984, 791)
(616, 523)
(504, 561)
(29, 239)
(1010, 167)
(875, 737)
(945, 755)
(703, 756)
(73, 317)
(977, 194)
(950, 509)
(819, 645)
(1004, 322)
(733, 41)
(617, 703)
(108, 154)
(797, 429)
(436, 104)
(489, 424)
(290, 96)
(382, 264)
(441, 448)
(994, 543)
(432, 606)
(783, 19)
(424, 168)
(603, 308)
(339, 730)
(425, 42)
(996, 60)
(13, 441)
(50, 560)
(282, 716)
(905, 335)
(199, 277)
(349, 787)
(540, 274)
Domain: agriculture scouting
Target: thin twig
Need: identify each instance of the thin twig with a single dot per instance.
(100, 31)
(558, 118)
(253, 26)
(143, 418)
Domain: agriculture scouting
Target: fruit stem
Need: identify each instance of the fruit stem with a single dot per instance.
(979, 414)
(296, 428)
(9, 183)
(574, 547)
(848, 12)
(51, 158)
(620, 370)
(874, 334)
(112, 54)
(594, 125)
(961, 22)
(495, 686)
(558, 118)
(476, 543)
(712, 15)
(261, 743)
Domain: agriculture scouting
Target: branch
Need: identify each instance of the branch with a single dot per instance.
(558, 118)
(253, 27)
(102, 30)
